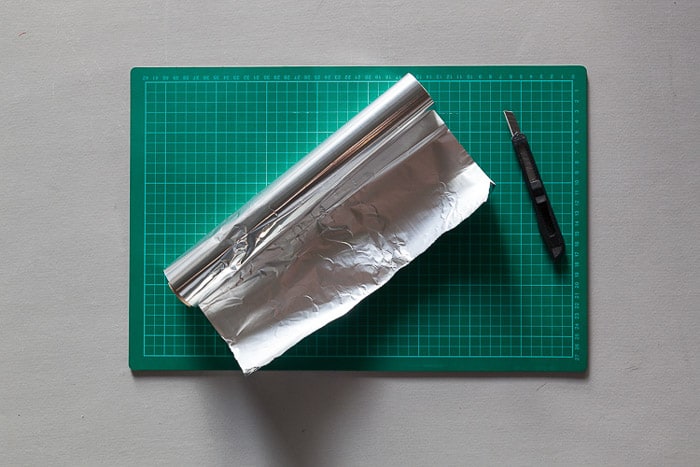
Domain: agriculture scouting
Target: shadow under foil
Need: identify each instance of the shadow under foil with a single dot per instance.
(434, 307)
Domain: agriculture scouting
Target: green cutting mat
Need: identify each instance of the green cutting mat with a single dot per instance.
(485, 297)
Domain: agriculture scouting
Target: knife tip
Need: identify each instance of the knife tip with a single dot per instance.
(512, 122)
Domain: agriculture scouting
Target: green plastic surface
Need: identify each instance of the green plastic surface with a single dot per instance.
(485, 297)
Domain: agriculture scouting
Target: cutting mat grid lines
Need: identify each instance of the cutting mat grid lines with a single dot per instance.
(485, 297)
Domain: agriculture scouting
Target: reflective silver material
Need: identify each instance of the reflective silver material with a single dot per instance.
(333, 228)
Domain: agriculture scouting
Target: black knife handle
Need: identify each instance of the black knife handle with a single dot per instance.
(546, 221)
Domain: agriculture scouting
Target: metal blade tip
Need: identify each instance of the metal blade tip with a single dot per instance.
(512, 122)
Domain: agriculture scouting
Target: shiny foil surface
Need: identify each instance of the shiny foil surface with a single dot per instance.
(332, 229)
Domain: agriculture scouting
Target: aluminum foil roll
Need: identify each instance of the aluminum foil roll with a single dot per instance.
(332, 229)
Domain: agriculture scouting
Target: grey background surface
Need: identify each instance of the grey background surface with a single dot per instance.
(67, 395)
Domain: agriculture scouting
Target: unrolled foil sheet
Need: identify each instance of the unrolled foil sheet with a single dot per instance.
(332, 229)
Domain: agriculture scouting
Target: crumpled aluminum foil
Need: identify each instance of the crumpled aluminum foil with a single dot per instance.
(332, 229)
